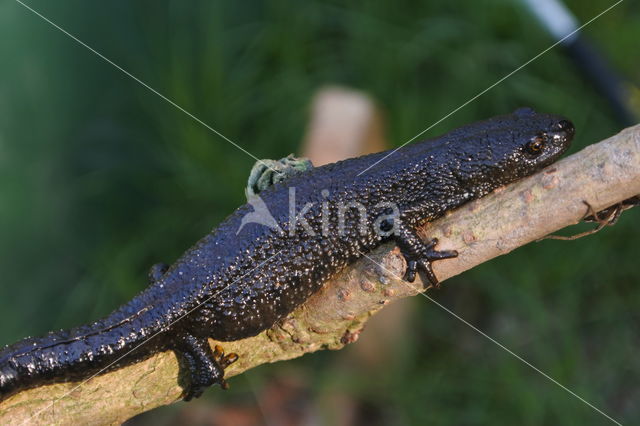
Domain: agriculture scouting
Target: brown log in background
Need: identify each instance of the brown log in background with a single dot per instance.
(602, 174)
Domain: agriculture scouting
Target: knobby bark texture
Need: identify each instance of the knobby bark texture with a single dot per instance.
(602, 174)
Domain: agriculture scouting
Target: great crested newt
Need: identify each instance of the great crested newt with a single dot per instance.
(271, 254)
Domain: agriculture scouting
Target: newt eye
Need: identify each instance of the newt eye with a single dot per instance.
(536, 145)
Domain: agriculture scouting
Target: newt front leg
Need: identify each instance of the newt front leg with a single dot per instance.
(419, 255)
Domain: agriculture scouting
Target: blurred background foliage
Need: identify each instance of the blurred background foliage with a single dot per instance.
(100, 178)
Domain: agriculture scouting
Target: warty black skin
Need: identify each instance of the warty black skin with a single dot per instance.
(233, 285)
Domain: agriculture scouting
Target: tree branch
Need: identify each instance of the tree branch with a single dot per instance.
(602, 174)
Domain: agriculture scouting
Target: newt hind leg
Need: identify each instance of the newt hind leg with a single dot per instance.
(156, 272)
(419, 255)
(202, 366)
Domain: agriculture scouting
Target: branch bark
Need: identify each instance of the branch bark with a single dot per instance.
(602, 174)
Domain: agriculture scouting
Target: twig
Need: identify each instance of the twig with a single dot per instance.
(602, 174)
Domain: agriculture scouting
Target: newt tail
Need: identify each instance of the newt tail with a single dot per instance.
(122, 338)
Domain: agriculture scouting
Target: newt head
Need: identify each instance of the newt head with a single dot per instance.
(547, 138)
(509, 147)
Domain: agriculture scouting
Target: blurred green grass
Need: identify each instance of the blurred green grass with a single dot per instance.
(99, 179)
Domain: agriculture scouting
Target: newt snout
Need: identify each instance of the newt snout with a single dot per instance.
(563, 129)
